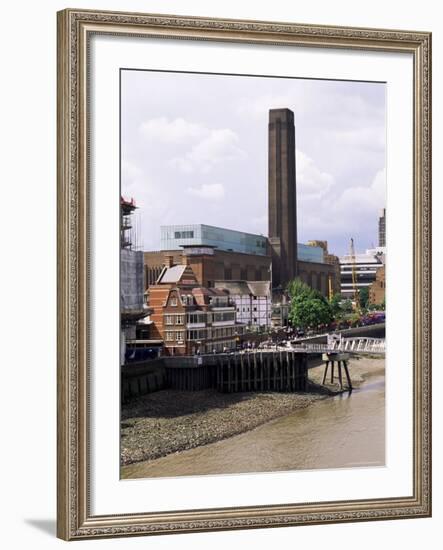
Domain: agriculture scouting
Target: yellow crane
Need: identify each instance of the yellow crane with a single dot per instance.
(354, 278)
(331, 292)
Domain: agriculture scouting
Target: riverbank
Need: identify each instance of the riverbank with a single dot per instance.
(167, 421)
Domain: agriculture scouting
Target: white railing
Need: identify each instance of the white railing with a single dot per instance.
(348, 345)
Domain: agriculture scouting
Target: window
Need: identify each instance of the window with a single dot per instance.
(180, 336)
(179, 319)
(169, 335)
(173, 301)
(184, 234)
(169, 320)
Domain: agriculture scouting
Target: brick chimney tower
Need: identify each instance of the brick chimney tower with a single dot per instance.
(282, 199)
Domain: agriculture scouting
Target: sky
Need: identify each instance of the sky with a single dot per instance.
(195, 150)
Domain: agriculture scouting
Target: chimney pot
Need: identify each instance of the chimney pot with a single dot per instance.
(169, 260)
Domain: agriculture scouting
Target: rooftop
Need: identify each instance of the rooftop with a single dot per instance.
(201, 235)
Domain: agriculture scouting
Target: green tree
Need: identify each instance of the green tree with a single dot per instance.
(309, 312)
(297, 288)
(309, 308)
(335, 305)
(364, 297)
(346, 306)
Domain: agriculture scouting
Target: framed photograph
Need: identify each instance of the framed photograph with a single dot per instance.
(244, 318)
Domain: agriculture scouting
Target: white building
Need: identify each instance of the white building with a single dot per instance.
(366, 266)
(252, 301)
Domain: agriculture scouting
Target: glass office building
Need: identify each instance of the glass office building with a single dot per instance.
(307, 253)
(173, 237)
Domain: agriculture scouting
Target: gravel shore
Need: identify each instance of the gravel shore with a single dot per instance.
(167, 421)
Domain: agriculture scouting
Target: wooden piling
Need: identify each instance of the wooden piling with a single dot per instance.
(340, 379)
(345, 364)
(325, 372)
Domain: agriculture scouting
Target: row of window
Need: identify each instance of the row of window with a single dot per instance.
(245, 309)
(223, 316)
(202, 334)
(184, 234)
(188, 300)
(174, 319)
(208, 333)
(222, 332)
(175, 336)
(171, 319)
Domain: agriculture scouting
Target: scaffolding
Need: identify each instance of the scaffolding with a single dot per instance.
(128, 226)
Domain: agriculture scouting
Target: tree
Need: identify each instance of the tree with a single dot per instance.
(364, 297)
(309, 308)
(334, 303)
(346, 306)
(297, 288)
(309, 312)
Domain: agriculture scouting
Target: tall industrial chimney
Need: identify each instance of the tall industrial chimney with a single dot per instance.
(282, 200)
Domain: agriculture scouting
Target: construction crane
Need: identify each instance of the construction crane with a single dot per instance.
(331, 292)
(354, 278)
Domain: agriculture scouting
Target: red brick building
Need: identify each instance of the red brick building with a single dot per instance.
(377, 289)
(189, 317)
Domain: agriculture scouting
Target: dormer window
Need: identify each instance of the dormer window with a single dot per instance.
(173, 301)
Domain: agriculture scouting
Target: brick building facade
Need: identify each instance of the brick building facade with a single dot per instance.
(210, 265)
(377, 289)
(188, 317)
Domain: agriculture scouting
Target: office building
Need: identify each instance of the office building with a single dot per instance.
(382, 228)
(365, 265)
(174, 237)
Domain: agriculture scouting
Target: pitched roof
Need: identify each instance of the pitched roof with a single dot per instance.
(171, 274)
(243, 288)
(260, 288)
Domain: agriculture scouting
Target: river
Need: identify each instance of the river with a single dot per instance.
(347, 430)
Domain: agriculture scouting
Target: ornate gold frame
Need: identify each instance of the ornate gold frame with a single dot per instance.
(74, 518)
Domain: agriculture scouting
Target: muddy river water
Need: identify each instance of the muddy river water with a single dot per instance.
(347, 430)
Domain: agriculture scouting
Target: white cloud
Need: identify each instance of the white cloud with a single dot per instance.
(360, 202)
(366, 138)
(175, 131)
(352, 212)
(258, 107)
(312, 183)
(217, 147)
(210, 191)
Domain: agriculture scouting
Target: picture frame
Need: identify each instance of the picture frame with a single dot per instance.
(75, 221)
